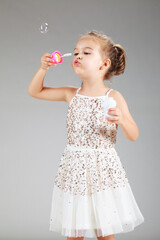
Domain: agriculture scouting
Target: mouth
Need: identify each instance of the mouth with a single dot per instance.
(76, 62)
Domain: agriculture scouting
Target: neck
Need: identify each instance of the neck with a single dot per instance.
(93, 87)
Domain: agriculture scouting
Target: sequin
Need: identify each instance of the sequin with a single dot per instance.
(89, 162)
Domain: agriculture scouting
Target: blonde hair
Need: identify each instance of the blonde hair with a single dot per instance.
(114, 52)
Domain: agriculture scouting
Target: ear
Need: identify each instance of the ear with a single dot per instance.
(106, 64)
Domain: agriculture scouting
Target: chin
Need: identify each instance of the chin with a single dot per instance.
(76, 70)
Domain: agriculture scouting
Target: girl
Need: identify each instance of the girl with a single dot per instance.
(92, 196)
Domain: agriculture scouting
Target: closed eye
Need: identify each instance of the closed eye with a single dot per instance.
(84, 53)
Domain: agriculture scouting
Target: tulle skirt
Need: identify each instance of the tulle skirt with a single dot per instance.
(100, 214)
(76, 212)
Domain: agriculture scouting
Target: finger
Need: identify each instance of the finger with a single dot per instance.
(47, 55)
(52, 64)
(49, 59)
(112, 118)
(113, 112)
(112, 109)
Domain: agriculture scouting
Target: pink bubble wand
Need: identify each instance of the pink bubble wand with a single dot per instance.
(58, 57)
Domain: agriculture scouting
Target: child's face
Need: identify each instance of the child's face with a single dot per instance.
(87, 52)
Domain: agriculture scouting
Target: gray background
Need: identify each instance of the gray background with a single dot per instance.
(33, 131)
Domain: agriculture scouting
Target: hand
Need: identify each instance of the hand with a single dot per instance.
(117, 115)
(47, 61)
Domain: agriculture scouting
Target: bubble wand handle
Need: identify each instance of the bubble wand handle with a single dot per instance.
(67, 55)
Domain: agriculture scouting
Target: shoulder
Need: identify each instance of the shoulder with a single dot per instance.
(70, 92)
(121, 104)
(118, 97)
(120, 100)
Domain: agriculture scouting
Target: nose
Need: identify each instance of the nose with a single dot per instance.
(78, 57)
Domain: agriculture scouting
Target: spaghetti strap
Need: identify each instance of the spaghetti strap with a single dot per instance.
(106, 94)
(78, 90)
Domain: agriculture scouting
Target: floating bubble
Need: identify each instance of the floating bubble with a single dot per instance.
(44, 28)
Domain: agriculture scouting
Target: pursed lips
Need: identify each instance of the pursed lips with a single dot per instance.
(76, 62)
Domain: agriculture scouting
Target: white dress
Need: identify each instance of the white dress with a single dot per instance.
(91, 196)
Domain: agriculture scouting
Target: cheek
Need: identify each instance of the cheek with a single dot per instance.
(91, 65)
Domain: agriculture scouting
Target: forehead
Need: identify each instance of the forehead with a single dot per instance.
(87, 43)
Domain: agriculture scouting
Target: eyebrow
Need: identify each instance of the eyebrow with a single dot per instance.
(86, 47)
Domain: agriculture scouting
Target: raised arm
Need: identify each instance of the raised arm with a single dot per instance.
(36, 88)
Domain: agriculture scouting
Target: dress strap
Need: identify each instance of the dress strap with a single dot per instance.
(78, 90)
(108, 92)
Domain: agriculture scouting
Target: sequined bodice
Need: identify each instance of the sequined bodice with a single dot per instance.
(86, 125)
(90, 162)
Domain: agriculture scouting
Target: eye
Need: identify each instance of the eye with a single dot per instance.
(77, 53)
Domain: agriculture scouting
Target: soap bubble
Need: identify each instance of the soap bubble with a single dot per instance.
(44, 28)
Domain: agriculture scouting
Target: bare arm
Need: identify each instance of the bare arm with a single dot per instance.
(129, 129)
(36, 88)
(36, 84)
(128, 125)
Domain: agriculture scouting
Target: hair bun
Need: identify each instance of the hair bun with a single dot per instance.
(116, 48)
(120, 60)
